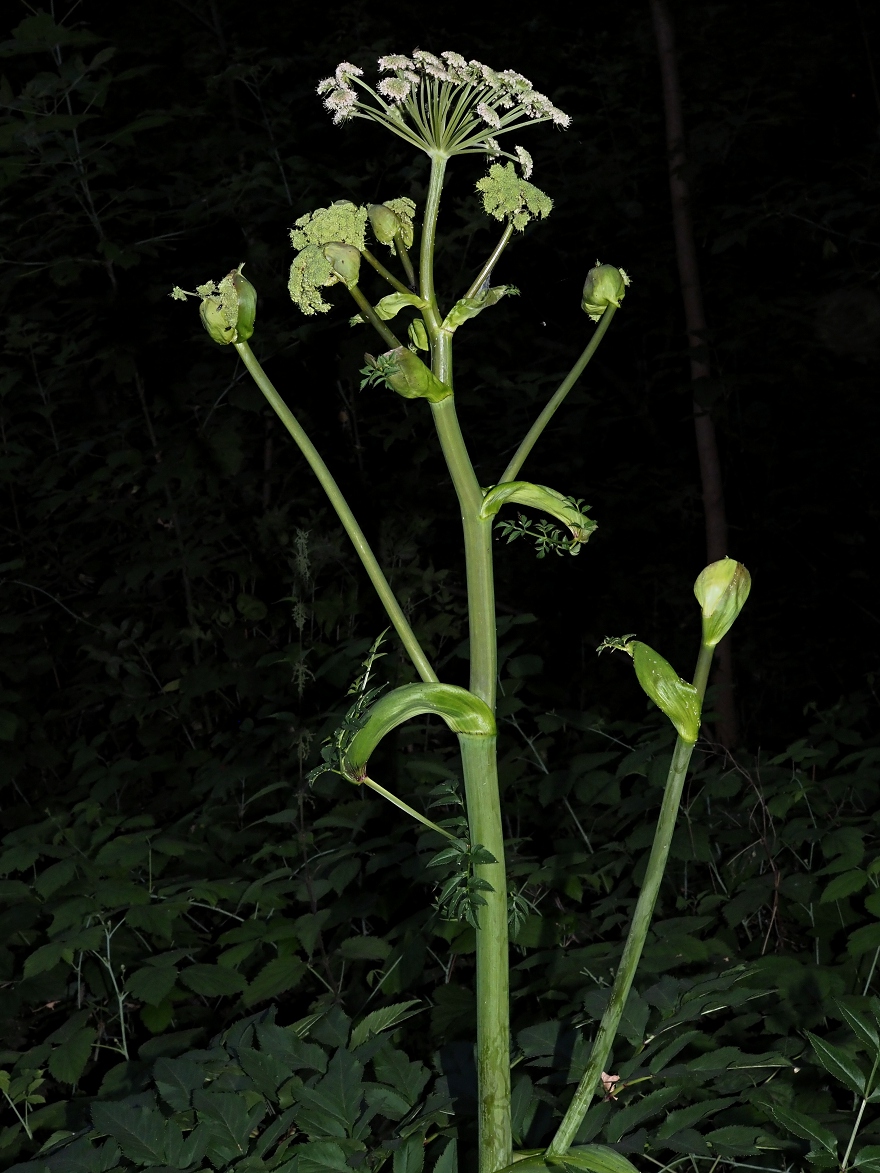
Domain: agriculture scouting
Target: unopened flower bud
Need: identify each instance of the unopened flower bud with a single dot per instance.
(228, 310)
(345, 261)
(605, 285)
(721, 590)
(384, 221)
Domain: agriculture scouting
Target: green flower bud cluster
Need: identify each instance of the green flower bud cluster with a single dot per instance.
(316, 267)
(228, 309)
(605, 285)
(508, 197)
(329, 241)
(721, 590)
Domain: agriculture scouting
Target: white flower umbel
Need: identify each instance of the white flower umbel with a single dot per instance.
(443, 105)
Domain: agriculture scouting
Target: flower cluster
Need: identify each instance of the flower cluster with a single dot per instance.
(440, 104)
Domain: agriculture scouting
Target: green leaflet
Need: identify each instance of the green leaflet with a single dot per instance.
(390, 306)
(539, 497)
(461, 710)
(469, 307)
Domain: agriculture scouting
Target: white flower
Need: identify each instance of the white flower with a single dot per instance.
(488, 115)
(395, 88)
(490, 77)
(492, 146)
(430, 64)
(345, 70)
(525, 161)
(395, 61)
(341, 103)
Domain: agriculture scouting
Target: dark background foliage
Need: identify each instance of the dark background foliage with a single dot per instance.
(180, 614)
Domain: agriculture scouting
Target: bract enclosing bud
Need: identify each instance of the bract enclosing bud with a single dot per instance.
(721, 590)
(679, 700)
(228, 310)
(676, 698)
(384, 222)
(413, 379)
(345, 261)
(405, 373)
(605, 285)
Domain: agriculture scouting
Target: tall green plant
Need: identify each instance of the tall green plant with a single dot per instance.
(446, 107)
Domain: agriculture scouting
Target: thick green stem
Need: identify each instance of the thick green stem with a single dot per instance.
(559, 395)
(383, 272)
(344, 513)
(478, 755)
(432, 314)
(638, 932)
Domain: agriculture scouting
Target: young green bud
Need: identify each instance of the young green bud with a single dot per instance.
(605, 285)
(384, 222)
(721, 590)
(676, 698)
(345, 261)
(679, 700)
(405, 373)
(228, 310)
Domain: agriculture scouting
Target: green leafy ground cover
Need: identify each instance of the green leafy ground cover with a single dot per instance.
(181, 620)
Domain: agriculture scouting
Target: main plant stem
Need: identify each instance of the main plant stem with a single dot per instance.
(638, 931)
(478, 754)
(344, 513)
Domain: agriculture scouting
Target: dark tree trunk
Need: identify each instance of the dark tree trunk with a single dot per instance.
(695, 321)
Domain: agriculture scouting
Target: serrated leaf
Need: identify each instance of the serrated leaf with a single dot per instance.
(67, 1062)
(867, 1158)
(447, 1162)
(138, 1130)
(228, 1122)
(597, 1158)
(804, 1127)
(364, 949)
(840, 1062)
(860, 1026)
(279, 976)
(735, 1140)
(176, 1080)
(383, 1019)
(632, 1115)
(331, 1108)
(213, 981)
(152, 983)
(409, 1157)
(844, 885)
(318, 1156)
(683, 1118)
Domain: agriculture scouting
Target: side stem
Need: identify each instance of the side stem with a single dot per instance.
(344, 513)
(638, 932)
(383, 272)
(559, 395)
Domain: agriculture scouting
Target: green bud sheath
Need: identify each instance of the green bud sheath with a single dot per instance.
(247, 304)
(216, 321)
(679, 700)
(228, 310)
(539, 497)
(412, 379)
(345, 261)
(463, 712)
(384, 222)
(721, 590)
(605, 285)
